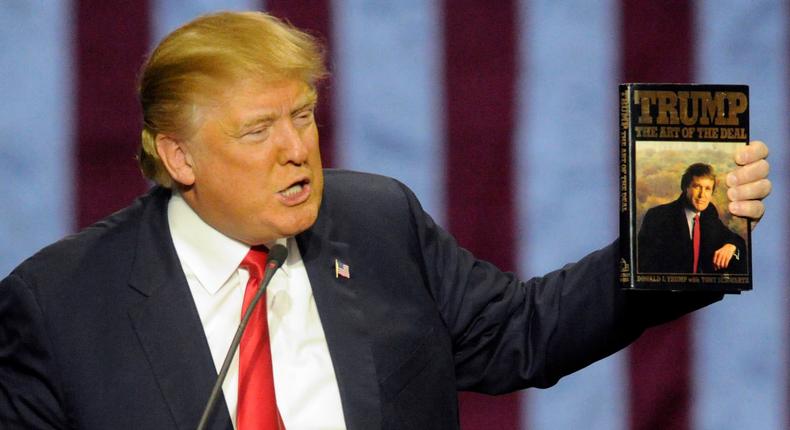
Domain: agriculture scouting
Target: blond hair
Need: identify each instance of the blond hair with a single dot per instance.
(194, 63)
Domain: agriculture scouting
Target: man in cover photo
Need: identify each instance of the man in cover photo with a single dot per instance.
(687, 235)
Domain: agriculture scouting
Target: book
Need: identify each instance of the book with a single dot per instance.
(677, 144)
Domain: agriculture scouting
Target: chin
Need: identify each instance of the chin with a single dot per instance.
(299, 223)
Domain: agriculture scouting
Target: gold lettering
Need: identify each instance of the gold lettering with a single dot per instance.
(667, 105)
(625, 117)
(708, 132)
(713, 109)
(733, 133)
(645, 99)
(646, 131)
(670, 132)
(685, 101)
(738, 105)
(690, 107)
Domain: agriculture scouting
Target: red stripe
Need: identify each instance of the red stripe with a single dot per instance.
(314, 16)
(480, 73)
(658, 47)
(112, 40)
(657, 41)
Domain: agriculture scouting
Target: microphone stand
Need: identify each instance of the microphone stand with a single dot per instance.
(276, 258)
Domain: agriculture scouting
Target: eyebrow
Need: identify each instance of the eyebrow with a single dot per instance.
(310, 101)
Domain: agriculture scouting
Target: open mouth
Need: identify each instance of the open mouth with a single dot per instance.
(294, 189)
(295, 193)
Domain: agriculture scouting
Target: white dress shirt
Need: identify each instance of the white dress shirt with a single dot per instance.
(690, 214)
(304, 379)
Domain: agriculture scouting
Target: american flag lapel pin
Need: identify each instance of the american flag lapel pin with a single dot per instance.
(342, 270)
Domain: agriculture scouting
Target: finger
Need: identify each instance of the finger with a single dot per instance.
(748, 173)
(721, 259)
(717, 263)
(753, 209)
(755, 150)
(751, 191)
(718, 259)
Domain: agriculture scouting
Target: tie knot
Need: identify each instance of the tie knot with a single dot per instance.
(255, 261)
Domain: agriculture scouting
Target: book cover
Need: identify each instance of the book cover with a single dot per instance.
(677, 143)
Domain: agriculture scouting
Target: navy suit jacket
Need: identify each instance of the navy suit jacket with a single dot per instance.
(664, 244)
(99, 331)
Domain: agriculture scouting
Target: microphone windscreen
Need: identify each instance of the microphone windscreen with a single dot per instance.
(277, 255)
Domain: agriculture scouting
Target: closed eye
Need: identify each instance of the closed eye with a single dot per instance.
(304, 116)
(260, 132)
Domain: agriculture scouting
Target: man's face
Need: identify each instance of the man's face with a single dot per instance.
(256, 162)
(699, 192)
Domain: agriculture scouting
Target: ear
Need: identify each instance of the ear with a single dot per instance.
(176, 158)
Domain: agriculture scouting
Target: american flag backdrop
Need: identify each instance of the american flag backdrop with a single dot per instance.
(501, 115)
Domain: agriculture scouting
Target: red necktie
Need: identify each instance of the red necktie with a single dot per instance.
(696, 242)
(257, 408)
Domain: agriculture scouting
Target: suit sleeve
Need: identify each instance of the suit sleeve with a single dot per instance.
(509, 334)
(737, 265)
(731, 237)
(648, 255)
(29, 392)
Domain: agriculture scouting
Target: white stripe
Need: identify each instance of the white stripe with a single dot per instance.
(35, 127)
(167, 15)
(740, 344)
(566, 162)
(388, 93)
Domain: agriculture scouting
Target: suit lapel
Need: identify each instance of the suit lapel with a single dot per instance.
(169, 329)
(684, 250)
(168, 326)
(340, 308)
(681, 223)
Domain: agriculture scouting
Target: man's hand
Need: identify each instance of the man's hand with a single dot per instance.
(723, 255)
(748, 183)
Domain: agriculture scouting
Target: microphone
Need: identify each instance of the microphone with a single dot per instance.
(274, 260)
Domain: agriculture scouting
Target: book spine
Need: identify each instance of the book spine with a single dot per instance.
(626, 266)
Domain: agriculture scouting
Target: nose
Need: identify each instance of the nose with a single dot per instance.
(291, 146)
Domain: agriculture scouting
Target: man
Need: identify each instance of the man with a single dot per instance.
(376, 318)
(686, 235)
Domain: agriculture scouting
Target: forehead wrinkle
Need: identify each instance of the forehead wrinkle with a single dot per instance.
(258, 119)
(306, 98)
(233, 128)
(307, 95)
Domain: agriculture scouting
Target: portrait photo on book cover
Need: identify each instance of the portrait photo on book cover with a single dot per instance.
(681, 210)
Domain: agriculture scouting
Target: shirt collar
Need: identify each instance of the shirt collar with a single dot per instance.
(212, 256)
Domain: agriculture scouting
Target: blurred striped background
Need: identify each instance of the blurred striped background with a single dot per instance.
(501, 115)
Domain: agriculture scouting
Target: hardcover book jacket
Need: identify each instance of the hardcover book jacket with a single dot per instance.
(677, 143)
